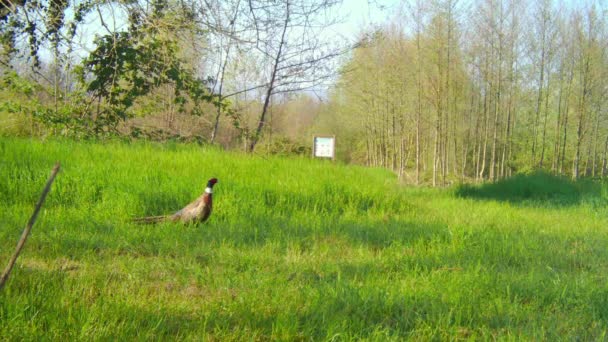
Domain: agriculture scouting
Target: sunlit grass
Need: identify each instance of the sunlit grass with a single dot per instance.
(295, 250)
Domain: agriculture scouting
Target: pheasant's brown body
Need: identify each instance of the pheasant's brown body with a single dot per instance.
(195, 212)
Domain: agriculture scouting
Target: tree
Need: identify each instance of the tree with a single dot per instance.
(288, 35)
(221, 18)
(127, 65)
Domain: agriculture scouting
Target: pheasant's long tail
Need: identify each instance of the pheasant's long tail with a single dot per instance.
(151, 219)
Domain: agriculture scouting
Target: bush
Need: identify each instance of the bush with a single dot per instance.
(530, 186)
(283, 146)
(18, 106)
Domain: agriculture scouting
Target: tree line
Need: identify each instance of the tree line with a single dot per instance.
(453, 90)
(446, 91)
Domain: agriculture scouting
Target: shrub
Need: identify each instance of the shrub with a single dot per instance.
(529, 186)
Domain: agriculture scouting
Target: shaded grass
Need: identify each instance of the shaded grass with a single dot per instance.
(295, 250)
(534, 188)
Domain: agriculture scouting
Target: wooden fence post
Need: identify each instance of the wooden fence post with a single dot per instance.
(27, 229)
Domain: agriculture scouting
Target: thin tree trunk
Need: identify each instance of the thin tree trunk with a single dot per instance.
(594, 144)
(605, 158)
(496, 116)
(581, 117)
(542, 153)
(555, 160)
(447, 115)
(220, 78)
(541, 83)
(487, 96)
(507, 142)
(565, 125)
(275, 67)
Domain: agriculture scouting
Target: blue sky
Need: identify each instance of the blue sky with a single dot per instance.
(359, 14)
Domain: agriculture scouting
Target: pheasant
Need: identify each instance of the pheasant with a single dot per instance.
(195, 212)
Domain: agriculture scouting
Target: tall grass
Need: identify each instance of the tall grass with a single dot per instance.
(295, 249)
(536, 188)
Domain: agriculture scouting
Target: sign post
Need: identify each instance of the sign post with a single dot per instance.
(324, 146)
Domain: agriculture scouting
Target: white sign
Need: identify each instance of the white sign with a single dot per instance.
(324, 147)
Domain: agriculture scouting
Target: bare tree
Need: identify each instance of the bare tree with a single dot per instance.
(221, 17)
(294, 48)
(418, 15)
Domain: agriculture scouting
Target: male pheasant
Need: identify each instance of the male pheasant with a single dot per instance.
(195, 212)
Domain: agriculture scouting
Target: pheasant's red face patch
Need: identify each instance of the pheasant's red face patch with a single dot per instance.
(212, 181)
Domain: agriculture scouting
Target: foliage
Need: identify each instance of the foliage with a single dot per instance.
(160, 135)
(123, 67)
(296, 249)
(24, 113)
(39, 22)
(283, 146)
(128, 65)
(19, 105)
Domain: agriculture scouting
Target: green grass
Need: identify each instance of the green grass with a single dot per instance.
(295, 250)
(535, 188)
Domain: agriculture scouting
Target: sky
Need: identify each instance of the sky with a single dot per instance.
(360, 14)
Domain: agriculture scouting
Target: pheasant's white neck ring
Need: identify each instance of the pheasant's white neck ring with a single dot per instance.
(209, 190)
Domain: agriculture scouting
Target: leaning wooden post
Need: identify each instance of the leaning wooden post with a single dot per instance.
(27, 229)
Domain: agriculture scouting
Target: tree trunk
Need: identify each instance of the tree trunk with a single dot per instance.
(541, 83)
(542, 153)
(275, 68)
(565, 125)
(605, 158)
(581, 118)
(556, 143)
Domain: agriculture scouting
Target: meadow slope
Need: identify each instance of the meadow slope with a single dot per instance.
(296, 249)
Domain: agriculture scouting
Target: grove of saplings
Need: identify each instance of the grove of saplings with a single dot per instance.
(481, 91)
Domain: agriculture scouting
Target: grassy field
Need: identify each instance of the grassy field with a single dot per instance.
(295, 250)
